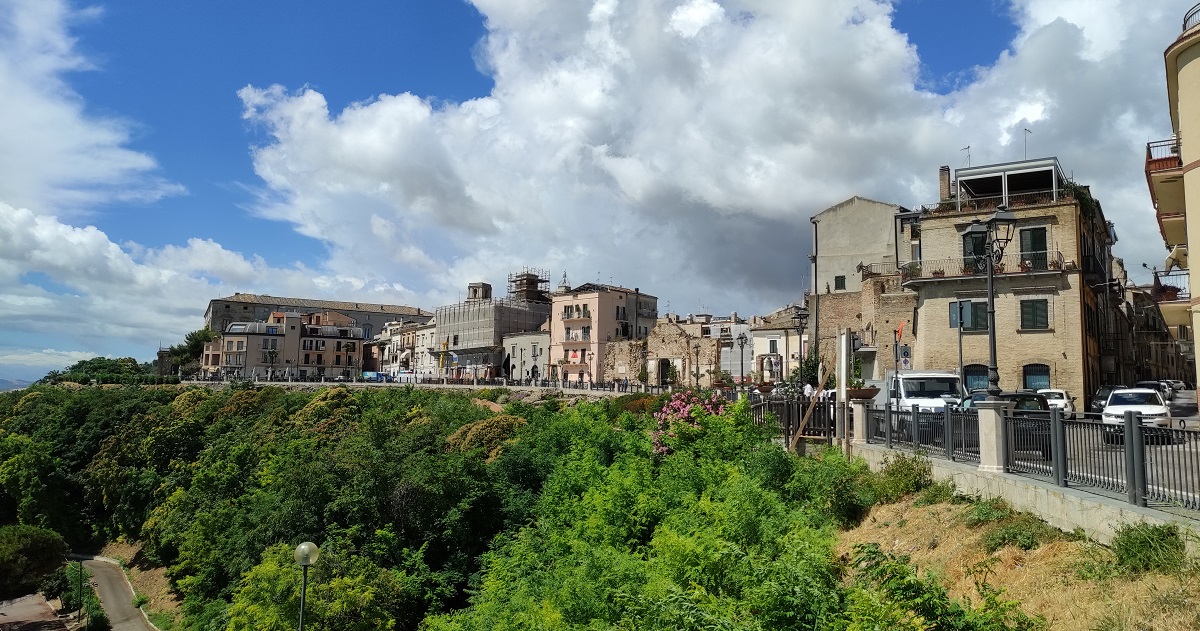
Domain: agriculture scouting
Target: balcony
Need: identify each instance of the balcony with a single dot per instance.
(1164, 177)
(1170, 290)
(1192, 18)
(576, 338)
(1021, 263)
(568, 315)
(1014, 201)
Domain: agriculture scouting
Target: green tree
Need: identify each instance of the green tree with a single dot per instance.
(28, 555)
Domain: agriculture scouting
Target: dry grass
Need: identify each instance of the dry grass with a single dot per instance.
(146, 579)
(1045, 580)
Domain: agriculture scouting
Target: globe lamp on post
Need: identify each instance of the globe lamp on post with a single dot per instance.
(306, 554)
(995, 235)
(741, 342)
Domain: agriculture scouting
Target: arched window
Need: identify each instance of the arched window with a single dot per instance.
(975, 376)
(1036, 376)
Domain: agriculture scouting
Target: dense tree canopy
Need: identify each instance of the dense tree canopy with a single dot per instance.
(436, 513)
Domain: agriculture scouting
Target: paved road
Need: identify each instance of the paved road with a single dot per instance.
(116, 597)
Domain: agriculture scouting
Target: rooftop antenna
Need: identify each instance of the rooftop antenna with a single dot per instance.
(968, 150)
(1027, 132)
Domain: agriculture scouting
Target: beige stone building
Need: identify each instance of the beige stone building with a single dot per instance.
(1175, 190)
(287, 346)
(241, 307)
(1051, 285)
(586, 320)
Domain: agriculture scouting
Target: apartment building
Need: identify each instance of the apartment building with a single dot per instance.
(240, 307)
(1054, 293)
(778, 346)
(527, 355)
(1175, 189)
(288, 346)
(734, 337)
(587, 319)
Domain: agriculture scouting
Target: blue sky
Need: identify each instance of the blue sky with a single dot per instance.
(160, 154)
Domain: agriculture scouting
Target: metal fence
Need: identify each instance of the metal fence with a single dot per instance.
(949, 433)
(789, 413)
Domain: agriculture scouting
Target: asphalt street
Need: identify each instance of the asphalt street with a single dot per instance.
(116, 597)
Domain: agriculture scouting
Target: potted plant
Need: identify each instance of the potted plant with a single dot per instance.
(855, 387)
(938, 272)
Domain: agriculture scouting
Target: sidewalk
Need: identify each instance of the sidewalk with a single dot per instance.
(29, 613)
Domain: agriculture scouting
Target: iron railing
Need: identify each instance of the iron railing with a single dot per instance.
(1014, 263)
(950, 433)
(789, 413)
(1192, 18)
(1027, 199)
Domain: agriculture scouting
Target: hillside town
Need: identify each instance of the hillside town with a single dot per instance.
(1068, 315)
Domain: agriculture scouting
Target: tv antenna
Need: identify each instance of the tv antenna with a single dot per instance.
(1027, 132)
(968, 150)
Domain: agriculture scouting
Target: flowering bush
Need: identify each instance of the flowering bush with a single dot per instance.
(681, 413)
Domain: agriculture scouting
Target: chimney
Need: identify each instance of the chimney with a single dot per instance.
(944, 183)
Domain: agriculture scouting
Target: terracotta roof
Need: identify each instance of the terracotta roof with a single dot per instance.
(335, 305)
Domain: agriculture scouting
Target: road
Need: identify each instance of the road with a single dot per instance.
(116, 597)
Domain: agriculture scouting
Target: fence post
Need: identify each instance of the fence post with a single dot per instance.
(860, 421)
(1139, 460)
(1058, 447)
(1131, 460)
(991, 435)
(912, 427)
(795, 413)
(948, 432)
(887, 424)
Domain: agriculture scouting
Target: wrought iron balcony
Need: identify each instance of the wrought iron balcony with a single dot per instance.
(1013, 201)
(1048, 262)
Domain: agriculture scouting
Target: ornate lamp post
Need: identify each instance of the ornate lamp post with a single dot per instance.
(696, 349)
(800, 323)
(591, 356)
(741, 342)
(306, 554)
(995, 235)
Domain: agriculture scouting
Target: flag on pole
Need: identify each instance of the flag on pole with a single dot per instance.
(900, 332)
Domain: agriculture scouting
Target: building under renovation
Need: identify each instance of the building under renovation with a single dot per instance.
(469, 339)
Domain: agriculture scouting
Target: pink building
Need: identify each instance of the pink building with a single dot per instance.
(584, 320)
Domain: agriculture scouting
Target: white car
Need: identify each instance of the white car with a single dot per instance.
(1061, 400)
(1145, 402)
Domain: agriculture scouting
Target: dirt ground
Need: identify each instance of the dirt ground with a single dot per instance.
(146, 579)
(1049, 581)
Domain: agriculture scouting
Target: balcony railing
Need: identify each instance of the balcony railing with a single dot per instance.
(1017, 263)
(1171, 286)
(1012, 200)
(1162, 155)
(576, 337)
(1192, 18)
(577, 315)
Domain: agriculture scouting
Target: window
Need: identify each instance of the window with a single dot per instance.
(839, 282)
(975, 377)
(773, 346)
(1033, 248)
(1035, 314)
(1036, 376)
(307, 358)
(337, 360)
(456, 341)
(229, 345)
(974, 245)
(241, 345)
(320, 359)
(978, 320)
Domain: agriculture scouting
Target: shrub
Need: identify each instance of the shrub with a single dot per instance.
(1146, 547)
(936, 493)
(1026, 532)
(902, 475)
(986, 511)
(834, 486)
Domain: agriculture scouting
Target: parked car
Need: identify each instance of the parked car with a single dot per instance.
(1163, 389)
(1061, 400)
(1031, 419)
(1177, 384)
(1147, 403)
(1100, 399)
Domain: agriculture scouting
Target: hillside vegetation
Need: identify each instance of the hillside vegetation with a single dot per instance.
(435, 513)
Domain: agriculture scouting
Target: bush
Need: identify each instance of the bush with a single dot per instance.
(937, 493)
(986, 511)
(902, 475)
(1146, 547)
(1026, 532)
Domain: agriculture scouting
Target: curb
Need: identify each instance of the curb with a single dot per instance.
(132, 591)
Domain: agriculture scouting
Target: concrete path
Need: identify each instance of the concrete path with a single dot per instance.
(116, 597)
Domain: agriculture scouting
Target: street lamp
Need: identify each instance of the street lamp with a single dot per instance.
(591, 376)
(741, 341)
(306, 554)
(800, 323)
(995, 235)
(696, 349)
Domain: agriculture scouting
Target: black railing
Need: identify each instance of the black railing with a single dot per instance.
(789, 413)
(949, 433)
(1192, 18)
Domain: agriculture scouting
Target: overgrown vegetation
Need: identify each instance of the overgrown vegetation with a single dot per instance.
(1144, 547)
(436, 513)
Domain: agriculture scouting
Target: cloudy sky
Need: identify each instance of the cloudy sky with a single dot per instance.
(155, 155)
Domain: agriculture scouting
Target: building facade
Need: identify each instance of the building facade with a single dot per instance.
(241, 307)
(586, 319)
(469, 335)
(1175, 189)
(287, 346)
